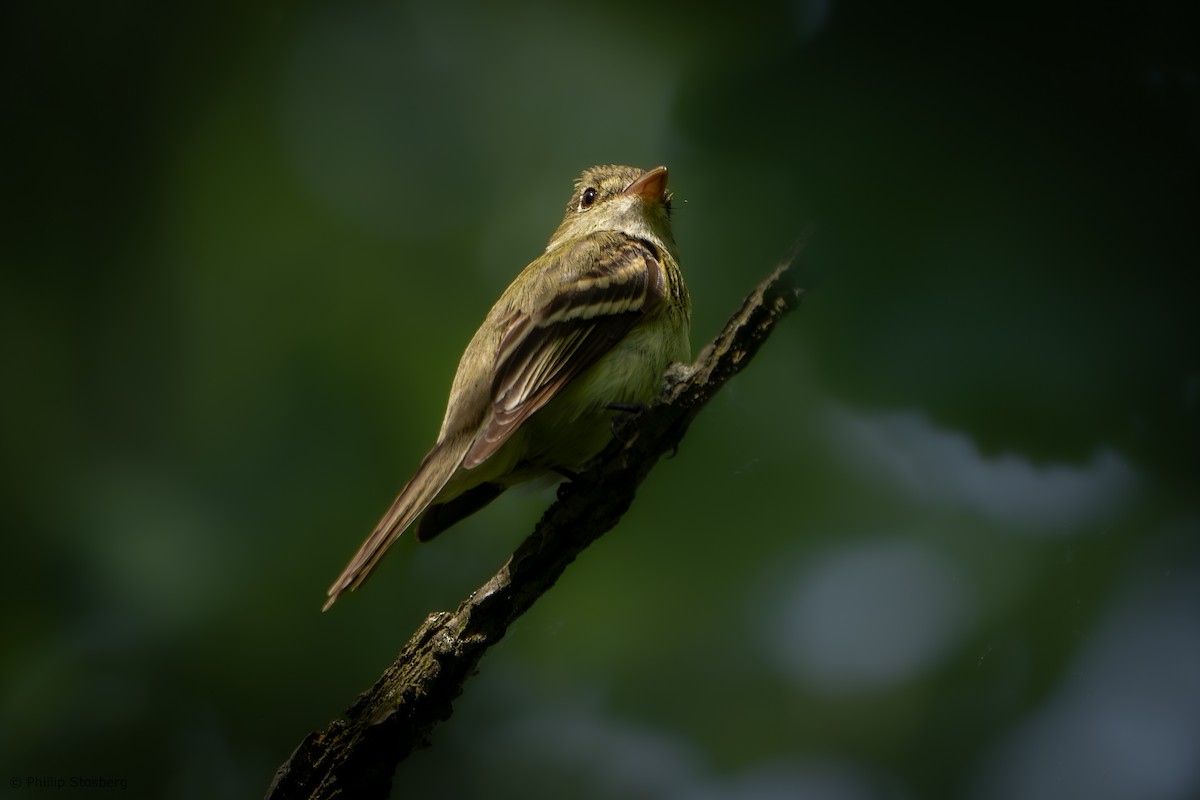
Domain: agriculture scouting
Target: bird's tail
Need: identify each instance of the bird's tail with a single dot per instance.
(432, 475)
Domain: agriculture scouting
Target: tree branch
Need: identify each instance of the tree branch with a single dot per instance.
(356, 757)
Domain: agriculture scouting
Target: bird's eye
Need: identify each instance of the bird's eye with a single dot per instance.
(587, 198)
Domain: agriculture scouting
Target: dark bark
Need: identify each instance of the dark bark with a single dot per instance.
(356, 757)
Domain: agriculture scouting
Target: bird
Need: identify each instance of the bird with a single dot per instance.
(589, 327)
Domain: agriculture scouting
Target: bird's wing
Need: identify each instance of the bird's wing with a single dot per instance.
(540, 352)
(543, 349)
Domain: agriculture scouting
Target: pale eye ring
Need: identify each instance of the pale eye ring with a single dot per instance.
(587, 198)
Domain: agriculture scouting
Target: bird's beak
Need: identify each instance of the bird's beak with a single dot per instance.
(651, 185)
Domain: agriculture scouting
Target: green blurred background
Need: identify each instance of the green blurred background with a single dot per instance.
(940, 540)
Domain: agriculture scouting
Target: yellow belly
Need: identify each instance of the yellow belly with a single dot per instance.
(577, 424)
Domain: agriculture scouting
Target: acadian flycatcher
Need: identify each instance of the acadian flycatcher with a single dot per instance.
(589, 325)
